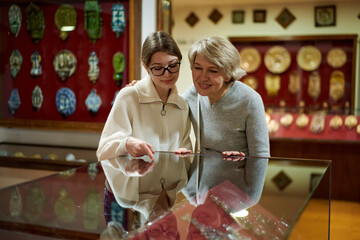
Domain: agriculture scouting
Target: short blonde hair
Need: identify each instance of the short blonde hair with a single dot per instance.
(221, 53)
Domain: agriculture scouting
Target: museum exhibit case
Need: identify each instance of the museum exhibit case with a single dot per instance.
(44, 157)
(202, 196)
(63, 63)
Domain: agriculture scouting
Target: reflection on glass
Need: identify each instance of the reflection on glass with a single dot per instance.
(255, 198)
(147, 187)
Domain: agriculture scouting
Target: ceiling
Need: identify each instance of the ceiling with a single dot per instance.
(183, 3)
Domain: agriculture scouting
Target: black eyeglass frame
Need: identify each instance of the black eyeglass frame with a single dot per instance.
(166, 68)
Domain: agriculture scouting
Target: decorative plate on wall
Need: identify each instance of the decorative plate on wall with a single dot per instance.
(277, 59)
(250, 59)
(336, 57)
(309, 58)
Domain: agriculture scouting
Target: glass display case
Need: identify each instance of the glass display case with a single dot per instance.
(201, 196)
(44, 157)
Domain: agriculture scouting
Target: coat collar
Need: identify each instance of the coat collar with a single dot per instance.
(147, 93)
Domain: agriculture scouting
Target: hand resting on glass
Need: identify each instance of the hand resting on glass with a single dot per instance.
(233, 156)
(183, 152)
(138, 148)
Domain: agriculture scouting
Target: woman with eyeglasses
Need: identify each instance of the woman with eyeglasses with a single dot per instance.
(150, 116)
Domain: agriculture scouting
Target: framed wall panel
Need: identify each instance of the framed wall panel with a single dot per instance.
(80, 44)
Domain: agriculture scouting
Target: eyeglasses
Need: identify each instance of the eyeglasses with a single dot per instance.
(159, 70)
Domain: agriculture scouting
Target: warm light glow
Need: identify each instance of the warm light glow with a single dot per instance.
(267, 116)
(67, 28)
(242, 213)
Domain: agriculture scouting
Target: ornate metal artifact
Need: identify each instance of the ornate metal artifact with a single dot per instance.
(35, 22)
(15, 18)
(93, 19)
(15, 62)
(65, 20)
(65, 64)
(118, 20)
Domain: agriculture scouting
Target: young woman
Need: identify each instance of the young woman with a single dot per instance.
(149, 116)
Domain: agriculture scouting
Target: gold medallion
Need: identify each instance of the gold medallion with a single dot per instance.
(336, 57)
(308, 58)
(92, 208)
(35, 203)
(286, 120)
(350, 121)
(337, 85)
(250, 59)
(358, 129)
(336, 122)
(19, 154)
(317, 124)
(277, 59)
(294, 82)
(52, 156)
(273, 126)
(314, 85)
(65, 207)
(65, 20)
(302, 121)
(251, 81)
(272, 84)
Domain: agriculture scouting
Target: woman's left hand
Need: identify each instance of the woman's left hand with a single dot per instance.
(233, 155)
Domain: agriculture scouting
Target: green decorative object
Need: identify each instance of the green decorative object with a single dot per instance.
(119, 66)
(65, 20)
(35, 22)
(93, 21)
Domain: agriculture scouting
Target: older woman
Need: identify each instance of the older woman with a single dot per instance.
(227, 115)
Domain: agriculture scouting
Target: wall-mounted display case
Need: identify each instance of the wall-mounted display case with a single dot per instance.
(307, 84)
(62, 63)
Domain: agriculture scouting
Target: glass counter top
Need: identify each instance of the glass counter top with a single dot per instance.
(196, 196)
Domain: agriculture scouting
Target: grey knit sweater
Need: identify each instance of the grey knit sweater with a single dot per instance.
(236, 122)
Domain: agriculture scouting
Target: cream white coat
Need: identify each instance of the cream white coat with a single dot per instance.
(137, 113)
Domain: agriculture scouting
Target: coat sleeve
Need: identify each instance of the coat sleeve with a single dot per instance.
(118, 127)
(186, 141)
(256, 129)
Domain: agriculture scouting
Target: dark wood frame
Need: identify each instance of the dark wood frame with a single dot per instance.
(331, 10)
(352, 37)
(238, 14)
(285, 22)
(257, 13)
(164, 16)
(134, 73)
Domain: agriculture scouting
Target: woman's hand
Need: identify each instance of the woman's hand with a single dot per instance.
(233, 156)
(138, 148)
(183, 152)
(132, 83)
(138, 167)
